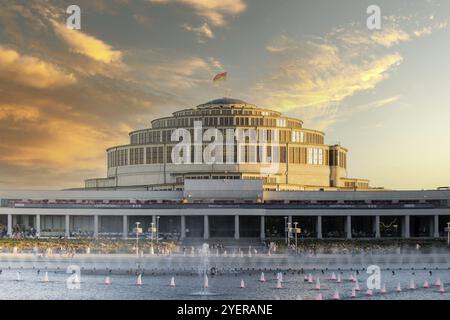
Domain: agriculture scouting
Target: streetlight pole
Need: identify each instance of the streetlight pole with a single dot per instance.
(295, 226)
(152, 229)
(289, 228)
(448, 233)
(285, 230)
(157, 228)
(137, 239)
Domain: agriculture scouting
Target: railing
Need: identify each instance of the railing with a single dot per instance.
(231, 206)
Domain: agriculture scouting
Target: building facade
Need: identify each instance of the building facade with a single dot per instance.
(227, 209)
(234, 197)
(299, 157)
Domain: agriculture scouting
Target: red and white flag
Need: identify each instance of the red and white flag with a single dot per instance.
(220, 77)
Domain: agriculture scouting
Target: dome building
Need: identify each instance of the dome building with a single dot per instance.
(303, 161)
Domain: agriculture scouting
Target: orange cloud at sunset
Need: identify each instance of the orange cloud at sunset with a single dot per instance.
(31, 71)
(87, 45)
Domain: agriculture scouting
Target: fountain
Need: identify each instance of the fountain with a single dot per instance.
(18, 276)
(438, 282)
(108, 281)
(336, 295)
(319, 297)
(139, 280)
(353, 293)
(383, 289)
(45, 277)
(357, 286)
(262, 278)
(441, 288)
(369, 293)
(172, 282)
(333, 276)
(317, 287)
(242, 284)
(280, 276)
(426, 285)
(412, 285)
(339, 280)
(279, 285)
(203, 269)
(399, 288)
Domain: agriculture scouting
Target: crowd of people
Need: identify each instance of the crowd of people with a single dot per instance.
(73, 247)
(314, 247)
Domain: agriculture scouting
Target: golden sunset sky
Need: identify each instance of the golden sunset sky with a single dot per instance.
(67, 95)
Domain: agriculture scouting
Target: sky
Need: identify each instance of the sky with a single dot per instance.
(67, 95)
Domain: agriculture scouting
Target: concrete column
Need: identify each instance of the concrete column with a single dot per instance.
(67, 229)
(406, 227)
(348, 227)
(9, 224)
(436, 227)
(205, 227)
(377, 227)
(183, 227)
(38, 225)
(96, 226)
(236, 227)
(125, 227)
(319, 227)
(26, 221)
(263, 228)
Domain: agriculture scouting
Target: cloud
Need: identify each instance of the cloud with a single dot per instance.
(322, 74)
(213, 10)
(172, 71)
(282, 44)
(87, 45)
(313, 76)
(203, 31)
(31, 71)
(378, 104)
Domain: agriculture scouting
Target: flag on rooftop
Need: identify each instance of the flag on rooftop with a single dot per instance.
(220, 77)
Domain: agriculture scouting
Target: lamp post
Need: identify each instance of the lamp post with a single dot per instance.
(289, 228)
(295, 226)
(157, 228)
(285, 230)
(152, 229)
(137, 238)
(448, 233)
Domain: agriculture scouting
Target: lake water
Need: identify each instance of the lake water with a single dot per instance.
(222, 286)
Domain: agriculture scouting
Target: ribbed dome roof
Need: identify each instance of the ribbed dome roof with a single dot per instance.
(226, 101)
